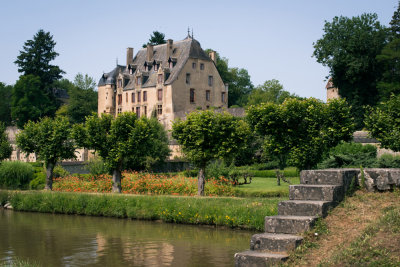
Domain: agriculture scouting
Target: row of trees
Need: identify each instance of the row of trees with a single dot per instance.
(363, 59)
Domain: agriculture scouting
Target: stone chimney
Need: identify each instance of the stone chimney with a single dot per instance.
(129, 56)
(169, 48)
(213, 56)
(149, 52)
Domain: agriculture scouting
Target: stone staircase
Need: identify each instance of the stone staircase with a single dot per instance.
(318, 192)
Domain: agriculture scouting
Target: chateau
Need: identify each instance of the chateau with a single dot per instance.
(167, 81)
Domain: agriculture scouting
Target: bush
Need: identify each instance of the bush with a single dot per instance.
(270, 165)
(96, 166)
(38, 182)
(388, 161)
(217, 169)
(15, 174)
(190, 172)
(59, 171)
(350, 155)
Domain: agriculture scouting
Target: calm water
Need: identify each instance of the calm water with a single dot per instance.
(68, 240)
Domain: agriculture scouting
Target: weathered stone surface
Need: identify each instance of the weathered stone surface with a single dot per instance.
(283, 224)
(304, 208)
(330, 177)
(380, 179)
(269, 242)
(251, 258)
(8, 206)
(316, 192)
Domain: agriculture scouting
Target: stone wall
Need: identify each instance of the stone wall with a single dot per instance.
(380, 179)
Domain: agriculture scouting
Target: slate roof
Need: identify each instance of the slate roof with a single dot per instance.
(363, 137)
(181, 52)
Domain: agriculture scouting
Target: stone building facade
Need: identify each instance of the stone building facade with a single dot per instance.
(332, 92)
(167, 80)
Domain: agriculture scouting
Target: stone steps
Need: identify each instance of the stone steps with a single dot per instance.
(304, 208)
(319, 191)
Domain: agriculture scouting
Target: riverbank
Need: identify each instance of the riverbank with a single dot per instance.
(242, 213)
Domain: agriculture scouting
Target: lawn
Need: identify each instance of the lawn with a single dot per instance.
(265, 187)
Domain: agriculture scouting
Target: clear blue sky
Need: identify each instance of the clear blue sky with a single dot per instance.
(271, 39)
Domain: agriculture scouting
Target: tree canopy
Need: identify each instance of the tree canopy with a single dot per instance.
(349, 48)
(270, 91)
(156, 38)
(5, 147)
(51, 140)
(300, 132)
(383, 123)
(5, 103)
(206, 135)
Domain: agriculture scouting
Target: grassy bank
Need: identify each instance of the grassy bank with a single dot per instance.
(221, 211)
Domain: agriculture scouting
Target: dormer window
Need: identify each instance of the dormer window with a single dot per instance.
(138, 81)
(145, 66)
(119, 83)
(170, 64)
(160, 78)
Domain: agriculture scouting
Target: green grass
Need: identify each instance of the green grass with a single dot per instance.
(265, 187)
(245, 213)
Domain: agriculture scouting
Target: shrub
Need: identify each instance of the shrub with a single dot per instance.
(96, 166)
(388, 161)
(350, 155)
(15, 174)
(217, 169)
(190, 172)
(38, 182)
(59, 171)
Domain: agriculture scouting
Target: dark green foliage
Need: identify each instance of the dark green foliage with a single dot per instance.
(15, 174)
(217, 168)
(350, 155)
(29, 101)
(38, 182)
(96, 166)
(156, 38)
(349, 48)
(388, 161)
(59, 171)
(83, 98)
(271, 91)
(5, 103)
(383, 123)
(5, 147)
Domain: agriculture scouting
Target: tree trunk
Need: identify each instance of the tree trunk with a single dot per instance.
(49, 176)
(201, 182)
(116, 188)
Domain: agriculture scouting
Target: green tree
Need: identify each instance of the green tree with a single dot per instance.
(383, 123)
(116, 139)
(206, 136)
(271, 91)
(238, 80)
(300, 132)
(349, 48)
(5, 103)
(29, 101)
(5, 147)
(36, 56)
(156, 38)
(51, 140)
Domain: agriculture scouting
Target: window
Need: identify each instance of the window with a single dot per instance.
(159, 94)
(119, 110)
(210, 80)
(133, 98)
(223, 97)
(119, 99)
(191, 95)
(208, 93)
(201, 66)
(138, 112)
(119, 83)
(144, 96)
(156, 67)
(130, 71)
(138, 80)
(138, 96)
(160, 78)
(126, 96)
(159, 109)
(194, 65)
(187, 78)
(145, 110)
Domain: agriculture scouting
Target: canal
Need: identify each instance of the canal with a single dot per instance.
(70, 240)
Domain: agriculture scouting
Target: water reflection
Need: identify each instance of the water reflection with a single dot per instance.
(68, 240)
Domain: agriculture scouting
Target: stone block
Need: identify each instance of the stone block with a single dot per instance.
(268, 242)
(304, 208)
(251, 258)
(283, 224)
(316, 192)
(342, 177)
(377, 179)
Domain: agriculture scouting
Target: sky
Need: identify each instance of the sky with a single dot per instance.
(271, 39)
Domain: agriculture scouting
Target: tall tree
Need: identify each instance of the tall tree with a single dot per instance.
(156, 38)
(51, 140)
(270, 91)
(349, 48)
(36, 56)
(29, 101)
(238, 80)
(205, 136)
(5, 147)
(116, 139)
(5, 103)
